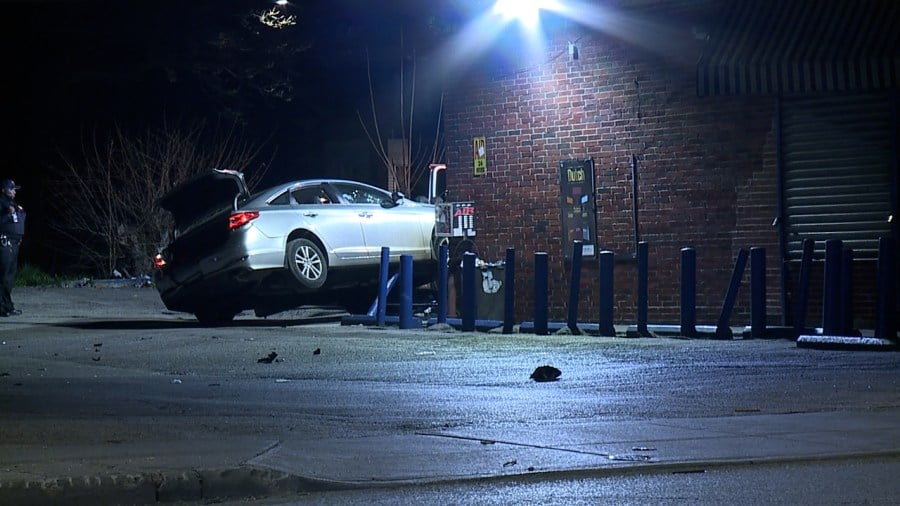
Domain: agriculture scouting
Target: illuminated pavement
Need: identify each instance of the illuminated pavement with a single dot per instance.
(143, 406)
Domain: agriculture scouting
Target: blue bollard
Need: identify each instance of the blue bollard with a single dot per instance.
(643, 294)
(509, 308)
(607, 293)
(831, 295)
(846, 315)
(541, 275)
(757, 292)
(407, 321)
(468, 293)
(443, 273)
(381, 310)
(688, 292)
(803, 286)
(575, 287)
(885, 317)
(723, 329)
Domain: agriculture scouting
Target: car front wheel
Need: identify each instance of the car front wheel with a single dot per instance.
(307, 263)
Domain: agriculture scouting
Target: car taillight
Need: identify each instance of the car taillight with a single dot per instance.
(241, 218)
(159, 261)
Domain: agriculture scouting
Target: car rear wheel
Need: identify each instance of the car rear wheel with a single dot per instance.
(307, 263)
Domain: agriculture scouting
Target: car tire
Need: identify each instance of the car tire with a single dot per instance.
(307, 263)
(214, 317)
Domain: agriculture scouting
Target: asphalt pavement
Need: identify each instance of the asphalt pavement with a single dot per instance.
(204, 469)
(200, 469)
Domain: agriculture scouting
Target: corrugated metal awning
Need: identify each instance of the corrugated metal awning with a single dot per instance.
(802, 46)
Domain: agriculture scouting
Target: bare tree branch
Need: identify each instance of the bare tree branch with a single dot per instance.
(413, 161)
(107, 201)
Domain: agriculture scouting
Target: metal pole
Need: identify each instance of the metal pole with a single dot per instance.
(758, 292)
(406, 288)
(831, 295)
(607, 293)
(541, 274)
(688, 292)
(886, 319)
(443, 273)
(381, 311)
(723, 329)
(509, 296)
(575, 286)
(643, 289)
(468, 292)
(846, 323)
(803, 286)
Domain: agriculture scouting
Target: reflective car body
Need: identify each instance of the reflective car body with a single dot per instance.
(296, 243)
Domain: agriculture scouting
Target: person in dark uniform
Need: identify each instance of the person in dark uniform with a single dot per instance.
(12, 229)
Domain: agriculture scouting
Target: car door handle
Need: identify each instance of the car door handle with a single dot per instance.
(310, 214)
(365, 214)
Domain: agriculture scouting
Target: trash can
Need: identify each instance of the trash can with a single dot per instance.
(489, 291)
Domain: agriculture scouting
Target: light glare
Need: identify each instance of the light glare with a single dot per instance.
(526, 11)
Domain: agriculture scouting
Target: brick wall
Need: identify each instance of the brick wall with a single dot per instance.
(706, 174)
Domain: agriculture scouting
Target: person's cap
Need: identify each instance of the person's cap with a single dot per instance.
(9, 184)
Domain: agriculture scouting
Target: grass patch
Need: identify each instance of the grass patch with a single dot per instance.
(29, 275)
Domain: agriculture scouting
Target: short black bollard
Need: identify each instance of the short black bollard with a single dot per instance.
(575, 287)
(607, 293)
(381, 309)
(541, 274)
(443, 276)
(803, 286)
(509, 301)
(831, 295)
(723, 329)
(688, 292)
(885, 317)
(643, 294)
(468, 293)
(407, 321)
(757, 292)
(846, 323)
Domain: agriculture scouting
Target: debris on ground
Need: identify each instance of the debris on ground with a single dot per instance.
(268, 359)
(546, 373)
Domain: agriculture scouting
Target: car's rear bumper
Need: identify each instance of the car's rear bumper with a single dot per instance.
(195, 286)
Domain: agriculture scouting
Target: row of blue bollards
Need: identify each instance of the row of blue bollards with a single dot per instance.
(837, 304)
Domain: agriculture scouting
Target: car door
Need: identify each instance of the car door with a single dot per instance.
(337, 225)
(396, 227)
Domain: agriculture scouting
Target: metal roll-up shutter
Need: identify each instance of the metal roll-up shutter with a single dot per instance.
(837, 171)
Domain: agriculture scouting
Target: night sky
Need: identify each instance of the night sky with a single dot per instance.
(79, 68)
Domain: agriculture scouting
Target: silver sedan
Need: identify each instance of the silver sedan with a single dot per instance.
(296, 243)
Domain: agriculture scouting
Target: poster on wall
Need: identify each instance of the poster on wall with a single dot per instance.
(479, 153)
(579, 214)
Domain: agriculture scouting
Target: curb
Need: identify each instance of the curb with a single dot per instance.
(154, 487)
(215, 485)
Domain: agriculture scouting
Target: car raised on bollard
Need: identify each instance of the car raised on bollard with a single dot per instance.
(315, 241)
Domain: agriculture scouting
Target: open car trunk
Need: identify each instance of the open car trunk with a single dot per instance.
(204, 196)
(200, 207)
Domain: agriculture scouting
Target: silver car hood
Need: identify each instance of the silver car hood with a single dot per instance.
(205, 194)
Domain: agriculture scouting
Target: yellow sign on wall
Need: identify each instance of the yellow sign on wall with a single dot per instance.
(479, 152)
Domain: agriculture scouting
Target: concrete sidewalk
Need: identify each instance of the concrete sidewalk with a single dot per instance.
(201, 469)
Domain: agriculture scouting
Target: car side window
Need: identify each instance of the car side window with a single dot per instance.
(311, 195)
(355, 194)
(281, 200)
